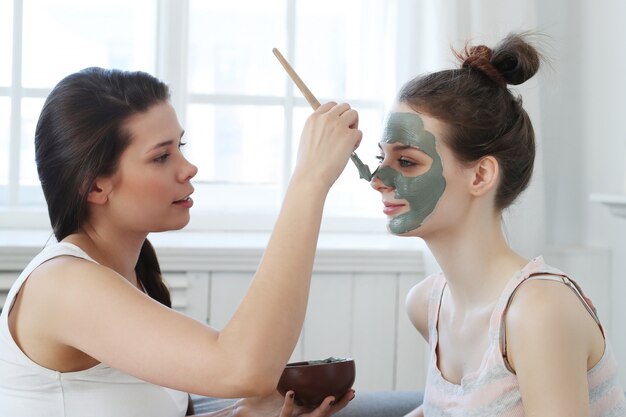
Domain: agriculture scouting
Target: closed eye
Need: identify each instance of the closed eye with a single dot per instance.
(162, 158)
(165, 156)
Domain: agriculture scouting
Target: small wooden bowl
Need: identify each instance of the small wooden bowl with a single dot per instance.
(312, 381)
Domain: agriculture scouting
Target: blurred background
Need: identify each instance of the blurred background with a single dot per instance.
(243, 115)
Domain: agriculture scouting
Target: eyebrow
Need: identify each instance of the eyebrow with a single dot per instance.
(165, 143)
(399, 147)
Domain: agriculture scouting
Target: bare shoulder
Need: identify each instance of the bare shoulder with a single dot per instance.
(417, 304)
(66, 276)
(551, 314)
(552, 342)
(86, 290)
(60, 296)
(73, 293)
(66, 289)
(546, 303)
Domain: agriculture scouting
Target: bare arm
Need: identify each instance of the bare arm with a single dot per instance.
(98, 312)
(552, 342)
(276, 301)
(417, 310)
(417, 305)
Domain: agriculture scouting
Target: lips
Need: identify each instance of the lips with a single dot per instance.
(392, 208)
(185, 198)
(186, 201)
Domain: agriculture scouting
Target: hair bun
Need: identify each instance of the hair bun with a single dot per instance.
(479, 57)
(512, 61)
(516, 59)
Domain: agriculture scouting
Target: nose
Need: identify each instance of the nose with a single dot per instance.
(377, 184)
(188, 172)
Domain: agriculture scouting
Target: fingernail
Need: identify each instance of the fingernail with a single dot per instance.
(291, 395)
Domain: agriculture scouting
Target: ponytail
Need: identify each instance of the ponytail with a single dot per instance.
(149, 275)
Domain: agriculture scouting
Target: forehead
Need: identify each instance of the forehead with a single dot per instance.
(433, 125)
(408, 129)
(402, 107)
(154, 125)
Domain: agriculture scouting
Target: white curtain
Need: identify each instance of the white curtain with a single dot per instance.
(426, 31)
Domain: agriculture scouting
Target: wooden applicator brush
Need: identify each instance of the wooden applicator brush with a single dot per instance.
(364, 171)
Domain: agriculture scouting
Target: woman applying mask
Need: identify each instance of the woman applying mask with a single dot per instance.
(87, 329)
(508, 336)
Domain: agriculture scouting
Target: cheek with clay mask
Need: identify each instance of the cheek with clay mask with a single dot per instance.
(422, 192)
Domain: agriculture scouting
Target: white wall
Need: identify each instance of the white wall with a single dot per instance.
(584, 150)
(603, 70)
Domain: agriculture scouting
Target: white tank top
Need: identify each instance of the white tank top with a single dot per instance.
(30, 390)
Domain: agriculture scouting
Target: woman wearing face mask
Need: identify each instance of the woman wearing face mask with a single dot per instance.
(508, 336)
(87, 329)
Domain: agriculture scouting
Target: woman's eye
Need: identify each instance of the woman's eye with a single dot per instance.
(405, 163)
(181, 144)
(162, 158)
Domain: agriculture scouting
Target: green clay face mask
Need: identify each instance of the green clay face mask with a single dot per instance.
(421, 192)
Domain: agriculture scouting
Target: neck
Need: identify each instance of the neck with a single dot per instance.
(476, 260)
(118, 250)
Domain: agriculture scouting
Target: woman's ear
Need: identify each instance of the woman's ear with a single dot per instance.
(486, 173)
(99, 191)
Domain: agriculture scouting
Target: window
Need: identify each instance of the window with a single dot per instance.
(6, 29)
(50, 40)
(241, 113)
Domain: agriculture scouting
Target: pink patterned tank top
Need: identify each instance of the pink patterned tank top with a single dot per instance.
(493, 390)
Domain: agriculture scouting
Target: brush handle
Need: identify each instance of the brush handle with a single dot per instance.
(364, 171)
(297, 80)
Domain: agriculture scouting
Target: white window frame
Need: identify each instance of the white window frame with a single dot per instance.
(16, 93)
(171, 66)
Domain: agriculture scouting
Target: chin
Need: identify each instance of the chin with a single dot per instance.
(181, 222)
(180, 225)
(410, 233)
(170, 227)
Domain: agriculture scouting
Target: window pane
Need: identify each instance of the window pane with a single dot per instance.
(235, 198)
(5, 114)
(346, 58)
(235, 144)
(32, 196)
(230, 46)
(351, 195)
(64, 36)
(31, 107)
(6, 29)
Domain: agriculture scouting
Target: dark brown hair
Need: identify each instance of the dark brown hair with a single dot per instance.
(80, 137)
(483, 116)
